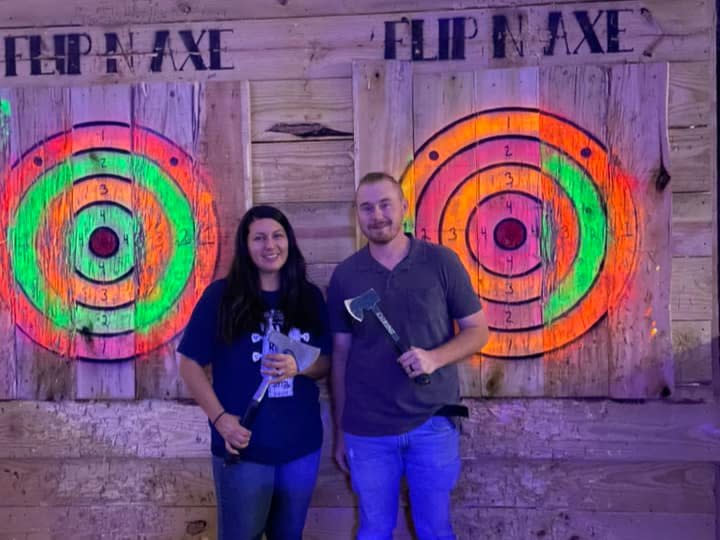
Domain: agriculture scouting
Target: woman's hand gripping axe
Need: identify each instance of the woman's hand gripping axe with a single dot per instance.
(368, 301)
(274, 341)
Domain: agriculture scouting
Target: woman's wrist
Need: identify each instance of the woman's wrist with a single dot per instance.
(219, 415)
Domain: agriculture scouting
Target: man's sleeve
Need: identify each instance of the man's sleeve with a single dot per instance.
(339, 322)
(462, 299)
(199, 338)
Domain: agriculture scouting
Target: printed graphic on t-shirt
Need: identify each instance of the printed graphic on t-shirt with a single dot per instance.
(273, 321)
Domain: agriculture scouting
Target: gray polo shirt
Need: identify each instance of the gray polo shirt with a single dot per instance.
(420, 298)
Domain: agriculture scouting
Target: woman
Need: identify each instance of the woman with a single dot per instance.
(267, 485)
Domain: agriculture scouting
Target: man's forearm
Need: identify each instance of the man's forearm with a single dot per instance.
(464, 344)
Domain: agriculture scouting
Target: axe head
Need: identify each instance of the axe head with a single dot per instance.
(357, 306)
(304, 354)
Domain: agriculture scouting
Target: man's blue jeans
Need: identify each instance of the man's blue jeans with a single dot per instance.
(428, 457)
(253, 498)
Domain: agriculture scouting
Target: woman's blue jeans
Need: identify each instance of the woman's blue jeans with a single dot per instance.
(429, 458)
(253, 498)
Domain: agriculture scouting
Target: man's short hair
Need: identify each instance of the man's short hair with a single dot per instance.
(375, 177)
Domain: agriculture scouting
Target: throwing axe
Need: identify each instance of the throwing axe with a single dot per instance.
(368, 301)
(274, 341)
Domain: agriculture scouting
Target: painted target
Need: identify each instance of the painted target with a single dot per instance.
(539, 214)
(107, 247)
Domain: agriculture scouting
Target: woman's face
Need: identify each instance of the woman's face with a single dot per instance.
(268, 245)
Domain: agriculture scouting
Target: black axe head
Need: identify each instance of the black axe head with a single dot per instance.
(360, 304)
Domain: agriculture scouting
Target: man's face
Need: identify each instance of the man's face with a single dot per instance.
(380, 211)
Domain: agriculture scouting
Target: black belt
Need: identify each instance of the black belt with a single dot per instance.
(452, 410)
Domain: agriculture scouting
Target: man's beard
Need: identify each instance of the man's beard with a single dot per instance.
(384, 234)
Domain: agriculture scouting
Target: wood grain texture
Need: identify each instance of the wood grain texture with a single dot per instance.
(224, 153)
(692, 350)
(690, 101)
(42, 374)
(691, 297)
(691, 159)
(580, 95)
(301, 110)
(319, 47)
(324, 231)
(99, 380)
(312, 171)
(382, 105)
(641, 359)
(659, 432)
(35, 12)
(692, 225)
(8, 363)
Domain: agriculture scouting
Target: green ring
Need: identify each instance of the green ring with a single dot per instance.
(592, 237)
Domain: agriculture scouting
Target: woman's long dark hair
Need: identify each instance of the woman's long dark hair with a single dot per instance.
(242, 306)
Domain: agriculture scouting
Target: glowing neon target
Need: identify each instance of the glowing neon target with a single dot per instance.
(107, 249)
(535, 208)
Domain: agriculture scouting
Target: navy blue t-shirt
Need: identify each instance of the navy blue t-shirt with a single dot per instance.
(286, 427)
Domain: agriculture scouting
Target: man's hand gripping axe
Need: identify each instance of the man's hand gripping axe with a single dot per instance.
(368, 301)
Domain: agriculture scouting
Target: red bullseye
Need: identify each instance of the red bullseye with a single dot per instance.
(510, 234)
(104, 242)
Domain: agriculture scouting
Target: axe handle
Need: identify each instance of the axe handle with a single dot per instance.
(250, 413)
(422, 379)
(249, 417)
(246, 422)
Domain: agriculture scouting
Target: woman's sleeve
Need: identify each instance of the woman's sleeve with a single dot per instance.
(200, 335)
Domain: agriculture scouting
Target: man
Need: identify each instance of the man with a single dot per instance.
(386, 425)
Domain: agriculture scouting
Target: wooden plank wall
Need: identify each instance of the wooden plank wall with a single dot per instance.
(533, 468)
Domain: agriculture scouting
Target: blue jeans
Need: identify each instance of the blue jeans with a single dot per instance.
(253, 498)
(428, 456)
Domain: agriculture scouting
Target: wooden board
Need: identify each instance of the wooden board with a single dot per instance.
(501, 524)
(35, 12)
(172, 110)
(301, 110)
(692, 225)
(382, 101)
(85, 429)
(312, 171)
(581, 367)
(44, 371)
(691, 159)
(691, 287)
(102, 380)
(320, 47)
(224, 153)
(518, 190)
(324, 231)
(692, 351)
(641, 359)
(509, 429)
(690, 94)
(638, 488)
(84, 522)
(590, 430)
(8, 365)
